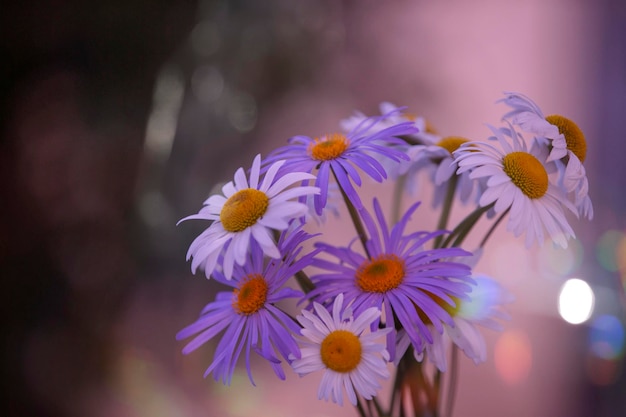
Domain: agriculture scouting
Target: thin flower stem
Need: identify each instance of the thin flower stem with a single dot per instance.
(396, 391)
(356, 219)
(360, 408)
(493, 228)
(398, 190)
(447, 209)
(304, 281)
(379, 409)
(452, 384)
(461, 231)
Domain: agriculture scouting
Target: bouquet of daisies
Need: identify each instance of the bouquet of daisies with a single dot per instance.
(401, 299)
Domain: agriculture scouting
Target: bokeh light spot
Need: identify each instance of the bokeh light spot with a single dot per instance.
(607, 250)
(513, 357)
(576, 301)
(559, 261)
(606, 337)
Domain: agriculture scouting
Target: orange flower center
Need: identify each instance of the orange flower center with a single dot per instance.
(451, 143)
(573, 135)
(251, 295)
(341, 351)
(527, 173)
(381, 274)
(243, 209)
(329, 147)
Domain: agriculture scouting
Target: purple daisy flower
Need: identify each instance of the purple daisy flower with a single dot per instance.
(342, 154)
(248, 315)
(398, 277)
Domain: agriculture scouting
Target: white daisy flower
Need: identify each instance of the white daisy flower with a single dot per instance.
(566, 142)
(247, 210)
(528, 116)
(345, 350)
(517, 179)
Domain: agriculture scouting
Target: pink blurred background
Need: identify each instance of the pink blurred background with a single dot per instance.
(119, 118)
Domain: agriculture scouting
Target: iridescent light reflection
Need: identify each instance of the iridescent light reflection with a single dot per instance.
(560, 261)
(576, 301)
(611, 250)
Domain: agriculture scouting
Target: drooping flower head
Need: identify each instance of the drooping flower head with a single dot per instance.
(398, 275)
(341, 346)
(565, 141)
(247, 315)
(247, 211)
(482, 309)
(517, 179)
(341, 154)
(436, 160)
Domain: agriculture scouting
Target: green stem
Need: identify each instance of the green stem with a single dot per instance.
(461, 231)
(447, 209)
(379, 409)
(356, 219)
(360, 408)
(305, 282)
(493, 228)
(398, 190)
(396, 391)
(452, 385)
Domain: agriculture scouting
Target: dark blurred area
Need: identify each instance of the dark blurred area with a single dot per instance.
(91, 186)
(76, 81)
(118, 117)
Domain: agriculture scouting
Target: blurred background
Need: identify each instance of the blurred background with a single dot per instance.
(118, 118)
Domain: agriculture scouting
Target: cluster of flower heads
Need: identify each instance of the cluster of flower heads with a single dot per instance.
(392, 293)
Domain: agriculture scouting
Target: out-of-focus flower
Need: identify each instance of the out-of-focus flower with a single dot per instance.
(248, 211)
(248, 315)
(437, 160)
(483, 308)
(424, 134)
(397, 276)
(517, 179)
(341, 346)
(341, 155)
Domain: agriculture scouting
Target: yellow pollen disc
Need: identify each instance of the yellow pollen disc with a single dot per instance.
(527, 173)
(449, 308)
(243, 209)
(573, 135)
(410, 116)
(329, 147)
(251, 295)
(341, 351)
(451, 143)
(380, 274)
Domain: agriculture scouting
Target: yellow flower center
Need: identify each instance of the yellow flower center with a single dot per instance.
(243, 209)
(527, 173)
(449, 308)
(251, 295)
(329, 147)
(451, 143)
(380, 274)
(573, 135)
(341, 351)
(430, 128)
